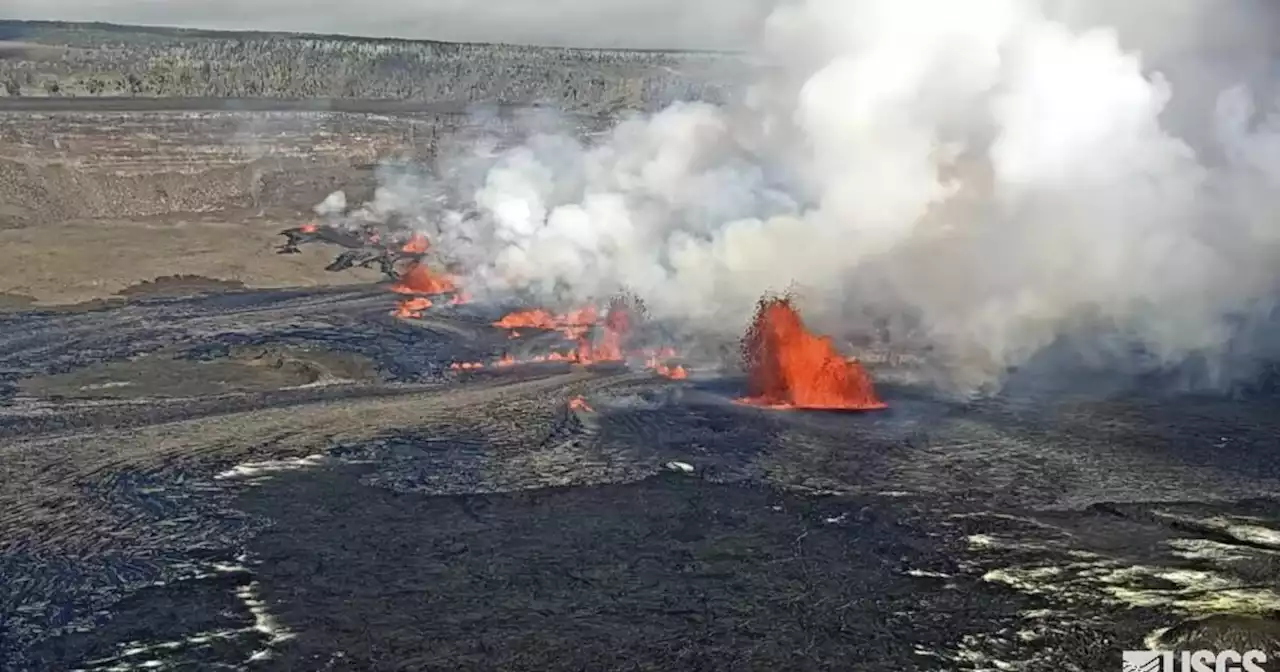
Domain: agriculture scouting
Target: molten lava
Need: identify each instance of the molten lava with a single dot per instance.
(579, 404)
(573, 324)
(676, 372)
(608, 345)
(417, 244)
(412, 308)
(582, 317)
(309, 227)
(618, 319)
(788, 367)
(595, 339)
(530, 319)
(418, 279)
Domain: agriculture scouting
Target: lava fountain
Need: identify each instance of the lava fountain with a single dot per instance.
(789, 367)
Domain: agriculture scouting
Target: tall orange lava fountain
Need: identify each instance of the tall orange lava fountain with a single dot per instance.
(608, 346)
(788, 367)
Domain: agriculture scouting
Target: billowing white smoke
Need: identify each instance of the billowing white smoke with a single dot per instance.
(998, 175)
(334, 205)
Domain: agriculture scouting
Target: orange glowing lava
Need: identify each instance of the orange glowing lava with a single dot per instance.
(582, 317)
(676, 372)
(417, 244)
(530, 319)
(788, 367)
(412, 308)
(595, 339)
(579, 404)
(573, 324)
(609, 342)
(309, 227)
(418, 279)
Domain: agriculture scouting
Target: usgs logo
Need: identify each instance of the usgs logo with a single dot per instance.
(1194, 661)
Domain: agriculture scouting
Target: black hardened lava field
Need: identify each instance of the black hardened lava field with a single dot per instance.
(299, 480)
(243, 431)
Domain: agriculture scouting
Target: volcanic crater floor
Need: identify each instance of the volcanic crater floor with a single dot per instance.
(294, 479)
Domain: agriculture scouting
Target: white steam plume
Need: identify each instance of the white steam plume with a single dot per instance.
(997, 174)
(333, 205)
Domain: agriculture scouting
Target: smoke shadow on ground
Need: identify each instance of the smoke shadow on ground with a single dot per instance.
(1105, 364)
(246, 370)
(454, 457)
(700, 423)
(59, 341)
(904, 400)
(653, 426)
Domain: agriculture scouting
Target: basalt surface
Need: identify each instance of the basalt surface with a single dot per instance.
(294, 479)
(213, 456)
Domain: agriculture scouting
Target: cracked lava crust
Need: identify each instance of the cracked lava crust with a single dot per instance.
(299, 480)
(398, 477)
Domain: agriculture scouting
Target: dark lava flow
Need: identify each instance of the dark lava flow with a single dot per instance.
(428, 520)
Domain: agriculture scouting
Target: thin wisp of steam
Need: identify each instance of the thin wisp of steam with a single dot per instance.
(998, 176)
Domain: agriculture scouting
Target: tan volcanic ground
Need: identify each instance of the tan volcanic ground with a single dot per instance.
(93, 203)
(79, 260)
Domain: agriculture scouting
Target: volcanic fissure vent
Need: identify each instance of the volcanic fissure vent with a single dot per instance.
(789, 367)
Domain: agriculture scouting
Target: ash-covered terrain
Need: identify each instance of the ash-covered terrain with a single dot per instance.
(240, 431)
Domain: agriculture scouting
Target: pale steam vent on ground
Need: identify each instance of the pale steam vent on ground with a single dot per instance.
(921, 337)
